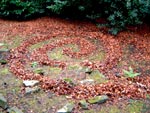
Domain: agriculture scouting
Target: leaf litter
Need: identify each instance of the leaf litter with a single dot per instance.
(50, 28)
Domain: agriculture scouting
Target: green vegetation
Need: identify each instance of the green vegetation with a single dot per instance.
(97, 77)
(135, 106)
(18, 9)
(83, 104)
(4, 71)
(34, 64)
(118, 13)
(130, 73)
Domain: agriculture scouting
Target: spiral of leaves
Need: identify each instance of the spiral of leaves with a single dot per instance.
(115, 88)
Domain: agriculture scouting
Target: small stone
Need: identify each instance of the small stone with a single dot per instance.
(87, 81)
(14, 110)
(83, 104)
(97, 73)
(67, 108)
(3, 102)
(30, 83)
(3, 55)
(117, 74)
(2, 44)
(98, 99)
(29, 90)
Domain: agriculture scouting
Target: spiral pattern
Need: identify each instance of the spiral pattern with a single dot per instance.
(22, 56)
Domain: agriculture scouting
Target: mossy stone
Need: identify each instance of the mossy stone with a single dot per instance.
(83, 104)
(98, 99)
(14, 110)
(3, 102)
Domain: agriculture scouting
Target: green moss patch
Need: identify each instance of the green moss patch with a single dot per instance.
(17, 40)
(135, 106)
(57, 54)
(97, 77)
(4, 71)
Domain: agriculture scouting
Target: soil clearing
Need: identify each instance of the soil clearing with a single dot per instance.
(65, 49)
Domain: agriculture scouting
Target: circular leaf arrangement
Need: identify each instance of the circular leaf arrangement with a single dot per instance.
(114, 88)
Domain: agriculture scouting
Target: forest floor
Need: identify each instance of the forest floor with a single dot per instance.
(61, 54)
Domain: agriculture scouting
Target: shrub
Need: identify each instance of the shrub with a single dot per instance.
(121, 13)
(70, 8)
(56, 6)
(17, 9)
(118, 13)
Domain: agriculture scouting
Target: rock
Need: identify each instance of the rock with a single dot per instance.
(2, 44)
(3, 56)
(87, 81)
(2, 50)
(3, 53)
(3, 102)
(29, 90)
(83, 104)
(98, 99)
(97, 73)
(97, 77)
(30, 83)
(67, 108)
(14, 110)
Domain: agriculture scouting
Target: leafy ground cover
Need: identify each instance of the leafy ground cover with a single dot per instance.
(62, 53)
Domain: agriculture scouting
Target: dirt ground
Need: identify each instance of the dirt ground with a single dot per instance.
(65, 49)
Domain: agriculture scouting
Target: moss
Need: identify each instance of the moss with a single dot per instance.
(9, 83)
(74, 67)
(37, 45)
(16, 89)
(4, 71)
(98, 56)
(55, 70)
(135, 106)
(73, 47)
(16, 42)
(110, 109)
(148, 96)
(3, 61)
(97, 76)
(39, 71)
(57, 54)
(89, 111)
(41, 102)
